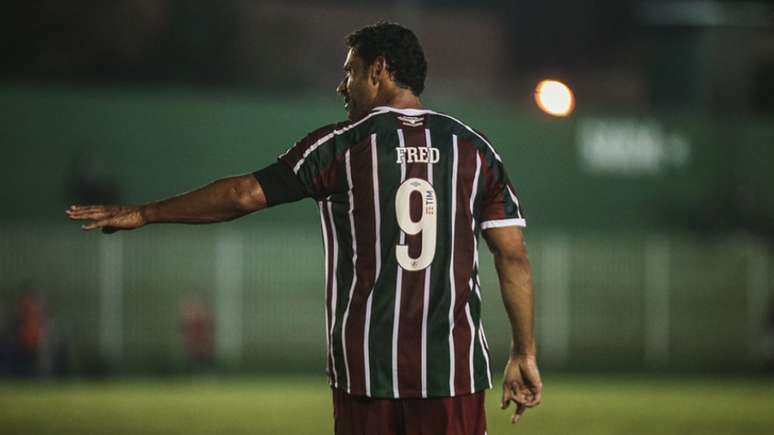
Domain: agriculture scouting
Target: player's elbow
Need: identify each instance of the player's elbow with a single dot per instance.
(246, 194)
(509, 251)
(506, 244)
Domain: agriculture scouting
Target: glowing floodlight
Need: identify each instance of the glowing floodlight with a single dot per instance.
(554, 98)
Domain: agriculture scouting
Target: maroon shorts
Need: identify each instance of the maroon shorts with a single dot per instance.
(356, 415)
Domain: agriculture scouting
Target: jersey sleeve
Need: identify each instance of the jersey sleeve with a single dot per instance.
(279, 184)
(311, 169)
(500, 206)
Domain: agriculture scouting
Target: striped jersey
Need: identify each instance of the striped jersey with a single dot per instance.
(403, 195)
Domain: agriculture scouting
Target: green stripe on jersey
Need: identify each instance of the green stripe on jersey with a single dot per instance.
(383, 304)
(481, 377)
(438, 365)
(344, 275)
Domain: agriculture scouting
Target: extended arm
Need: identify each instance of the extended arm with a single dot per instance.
(221, 200)
(521, 383)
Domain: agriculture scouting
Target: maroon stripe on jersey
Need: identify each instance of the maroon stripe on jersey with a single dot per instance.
(413, 285)
(330, 271)
(365, 238)
(325, 181)
(463, 265)
(295, 153)
(493, 204)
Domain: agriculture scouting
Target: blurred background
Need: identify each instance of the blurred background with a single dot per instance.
(650, 212)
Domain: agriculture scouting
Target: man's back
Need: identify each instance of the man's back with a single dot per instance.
(403, 196)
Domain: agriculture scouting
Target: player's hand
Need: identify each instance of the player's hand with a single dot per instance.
(521, 385)
(109, 218)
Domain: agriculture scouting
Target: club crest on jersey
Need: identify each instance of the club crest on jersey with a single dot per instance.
(411, 121)
(417, 155)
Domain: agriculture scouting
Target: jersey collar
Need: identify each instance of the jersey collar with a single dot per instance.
(408, 112)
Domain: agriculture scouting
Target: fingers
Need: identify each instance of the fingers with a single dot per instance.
(537, 395)
(84, 208)
(528, 398)
(522, 398)
(90, 212)
(529, 395)
(510, 394)
(506, 399)
(518, 412)
(534, 386)
(512, 391)
(101, 216)
(513, 386)
(97, 224)
(91, 216)
(522, 385)
(109, 218)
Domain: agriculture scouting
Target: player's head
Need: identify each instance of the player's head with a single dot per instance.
(381, 56)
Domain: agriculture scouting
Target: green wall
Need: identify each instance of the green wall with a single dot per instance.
(602, 243)
(155, 143)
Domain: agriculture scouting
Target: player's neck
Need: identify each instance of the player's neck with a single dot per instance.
(402, 99)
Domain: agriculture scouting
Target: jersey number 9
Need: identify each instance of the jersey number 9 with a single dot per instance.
(426, 223)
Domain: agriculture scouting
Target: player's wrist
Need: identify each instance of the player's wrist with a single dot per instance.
(146, 215)
(523, 351)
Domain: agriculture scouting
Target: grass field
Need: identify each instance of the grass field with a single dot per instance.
(597, 405)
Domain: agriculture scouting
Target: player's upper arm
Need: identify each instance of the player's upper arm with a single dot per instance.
(279, 185)
(506, 243)
(500, 206)
(314, 161)
(307, 169)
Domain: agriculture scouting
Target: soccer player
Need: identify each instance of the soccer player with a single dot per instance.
(403, 193)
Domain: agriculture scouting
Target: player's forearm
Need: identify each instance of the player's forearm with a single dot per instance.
(516, 287)
(221, 200)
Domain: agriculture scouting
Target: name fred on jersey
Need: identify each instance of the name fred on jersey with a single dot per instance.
(417, 155)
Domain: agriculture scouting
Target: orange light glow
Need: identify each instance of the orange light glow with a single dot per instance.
(554, 98)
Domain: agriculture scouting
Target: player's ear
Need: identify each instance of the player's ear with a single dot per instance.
(378, 69)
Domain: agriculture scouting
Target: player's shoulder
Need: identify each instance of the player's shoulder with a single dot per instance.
(429, 118)
(454, 122)
(323, 131)
(463, 130)
(362, 122)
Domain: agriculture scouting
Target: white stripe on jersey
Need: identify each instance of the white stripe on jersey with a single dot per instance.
(426, 299)
(472, 348)
(398, 284)
(471, 285)
(354, 269)
(491, 148)
(473, 192)
(452, 286)
(320, 205)
(485, 348)
(326, 138)
(409, 112)
(515, 200)
(497, 223)
(378, 257)
(334, 291)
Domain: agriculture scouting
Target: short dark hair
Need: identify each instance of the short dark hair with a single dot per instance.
(401, 50)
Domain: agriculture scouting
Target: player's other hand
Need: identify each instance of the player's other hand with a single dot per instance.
(109, 218)
(521, 385)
